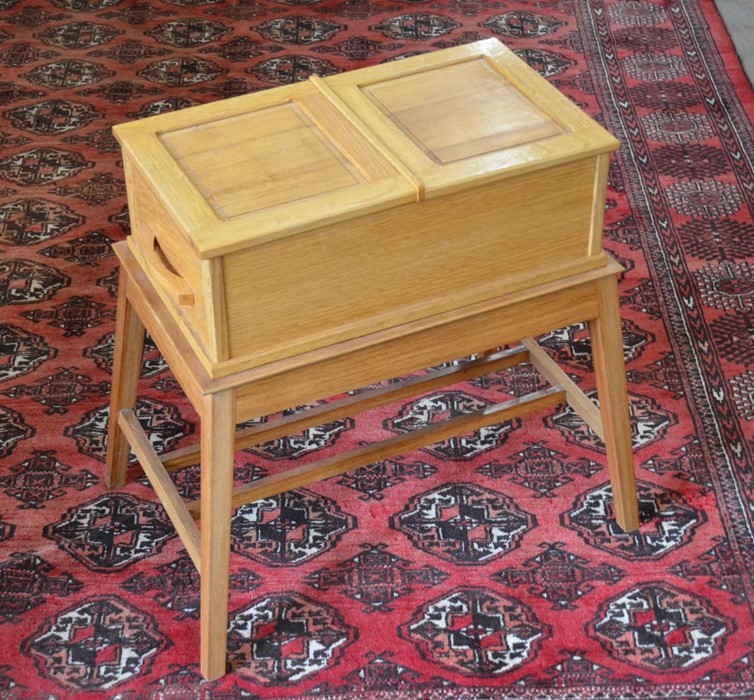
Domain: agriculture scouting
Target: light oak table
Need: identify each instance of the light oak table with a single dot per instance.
(298, 243)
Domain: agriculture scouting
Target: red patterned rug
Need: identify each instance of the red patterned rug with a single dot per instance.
(483, 567)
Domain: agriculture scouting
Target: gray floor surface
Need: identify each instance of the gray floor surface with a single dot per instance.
(738, 16)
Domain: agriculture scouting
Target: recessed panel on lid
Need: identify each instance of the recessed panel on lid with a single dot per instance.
(260, 159)
(461, 110)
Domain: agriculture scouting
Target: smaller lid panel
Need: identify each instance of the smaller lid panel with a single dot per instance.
(461, 111)
(260, 159)
(468, 115)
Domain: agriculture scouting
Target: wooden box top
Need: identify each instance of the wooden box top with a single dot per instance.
(250, 169)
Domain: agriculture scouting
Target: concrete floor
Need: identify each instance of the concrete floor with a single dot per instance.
(738, 16)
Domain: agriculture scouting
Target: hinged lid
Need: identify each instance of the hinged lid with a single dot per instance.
(250, 169)
(468, 114)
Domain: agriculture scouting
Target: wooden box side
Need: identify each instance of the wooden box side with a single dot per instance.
(168, 258)
(346, 280)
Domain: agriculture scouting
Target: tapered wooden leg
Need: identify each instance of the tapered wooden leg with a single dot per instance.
(609, 368)
(217, 447)
(129, 347)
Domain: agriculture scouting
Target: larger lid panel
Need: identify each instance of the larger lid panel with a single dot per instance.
(245, 171)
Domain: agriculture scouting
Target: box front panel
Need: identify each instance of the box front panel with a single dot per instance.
(344, 281)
